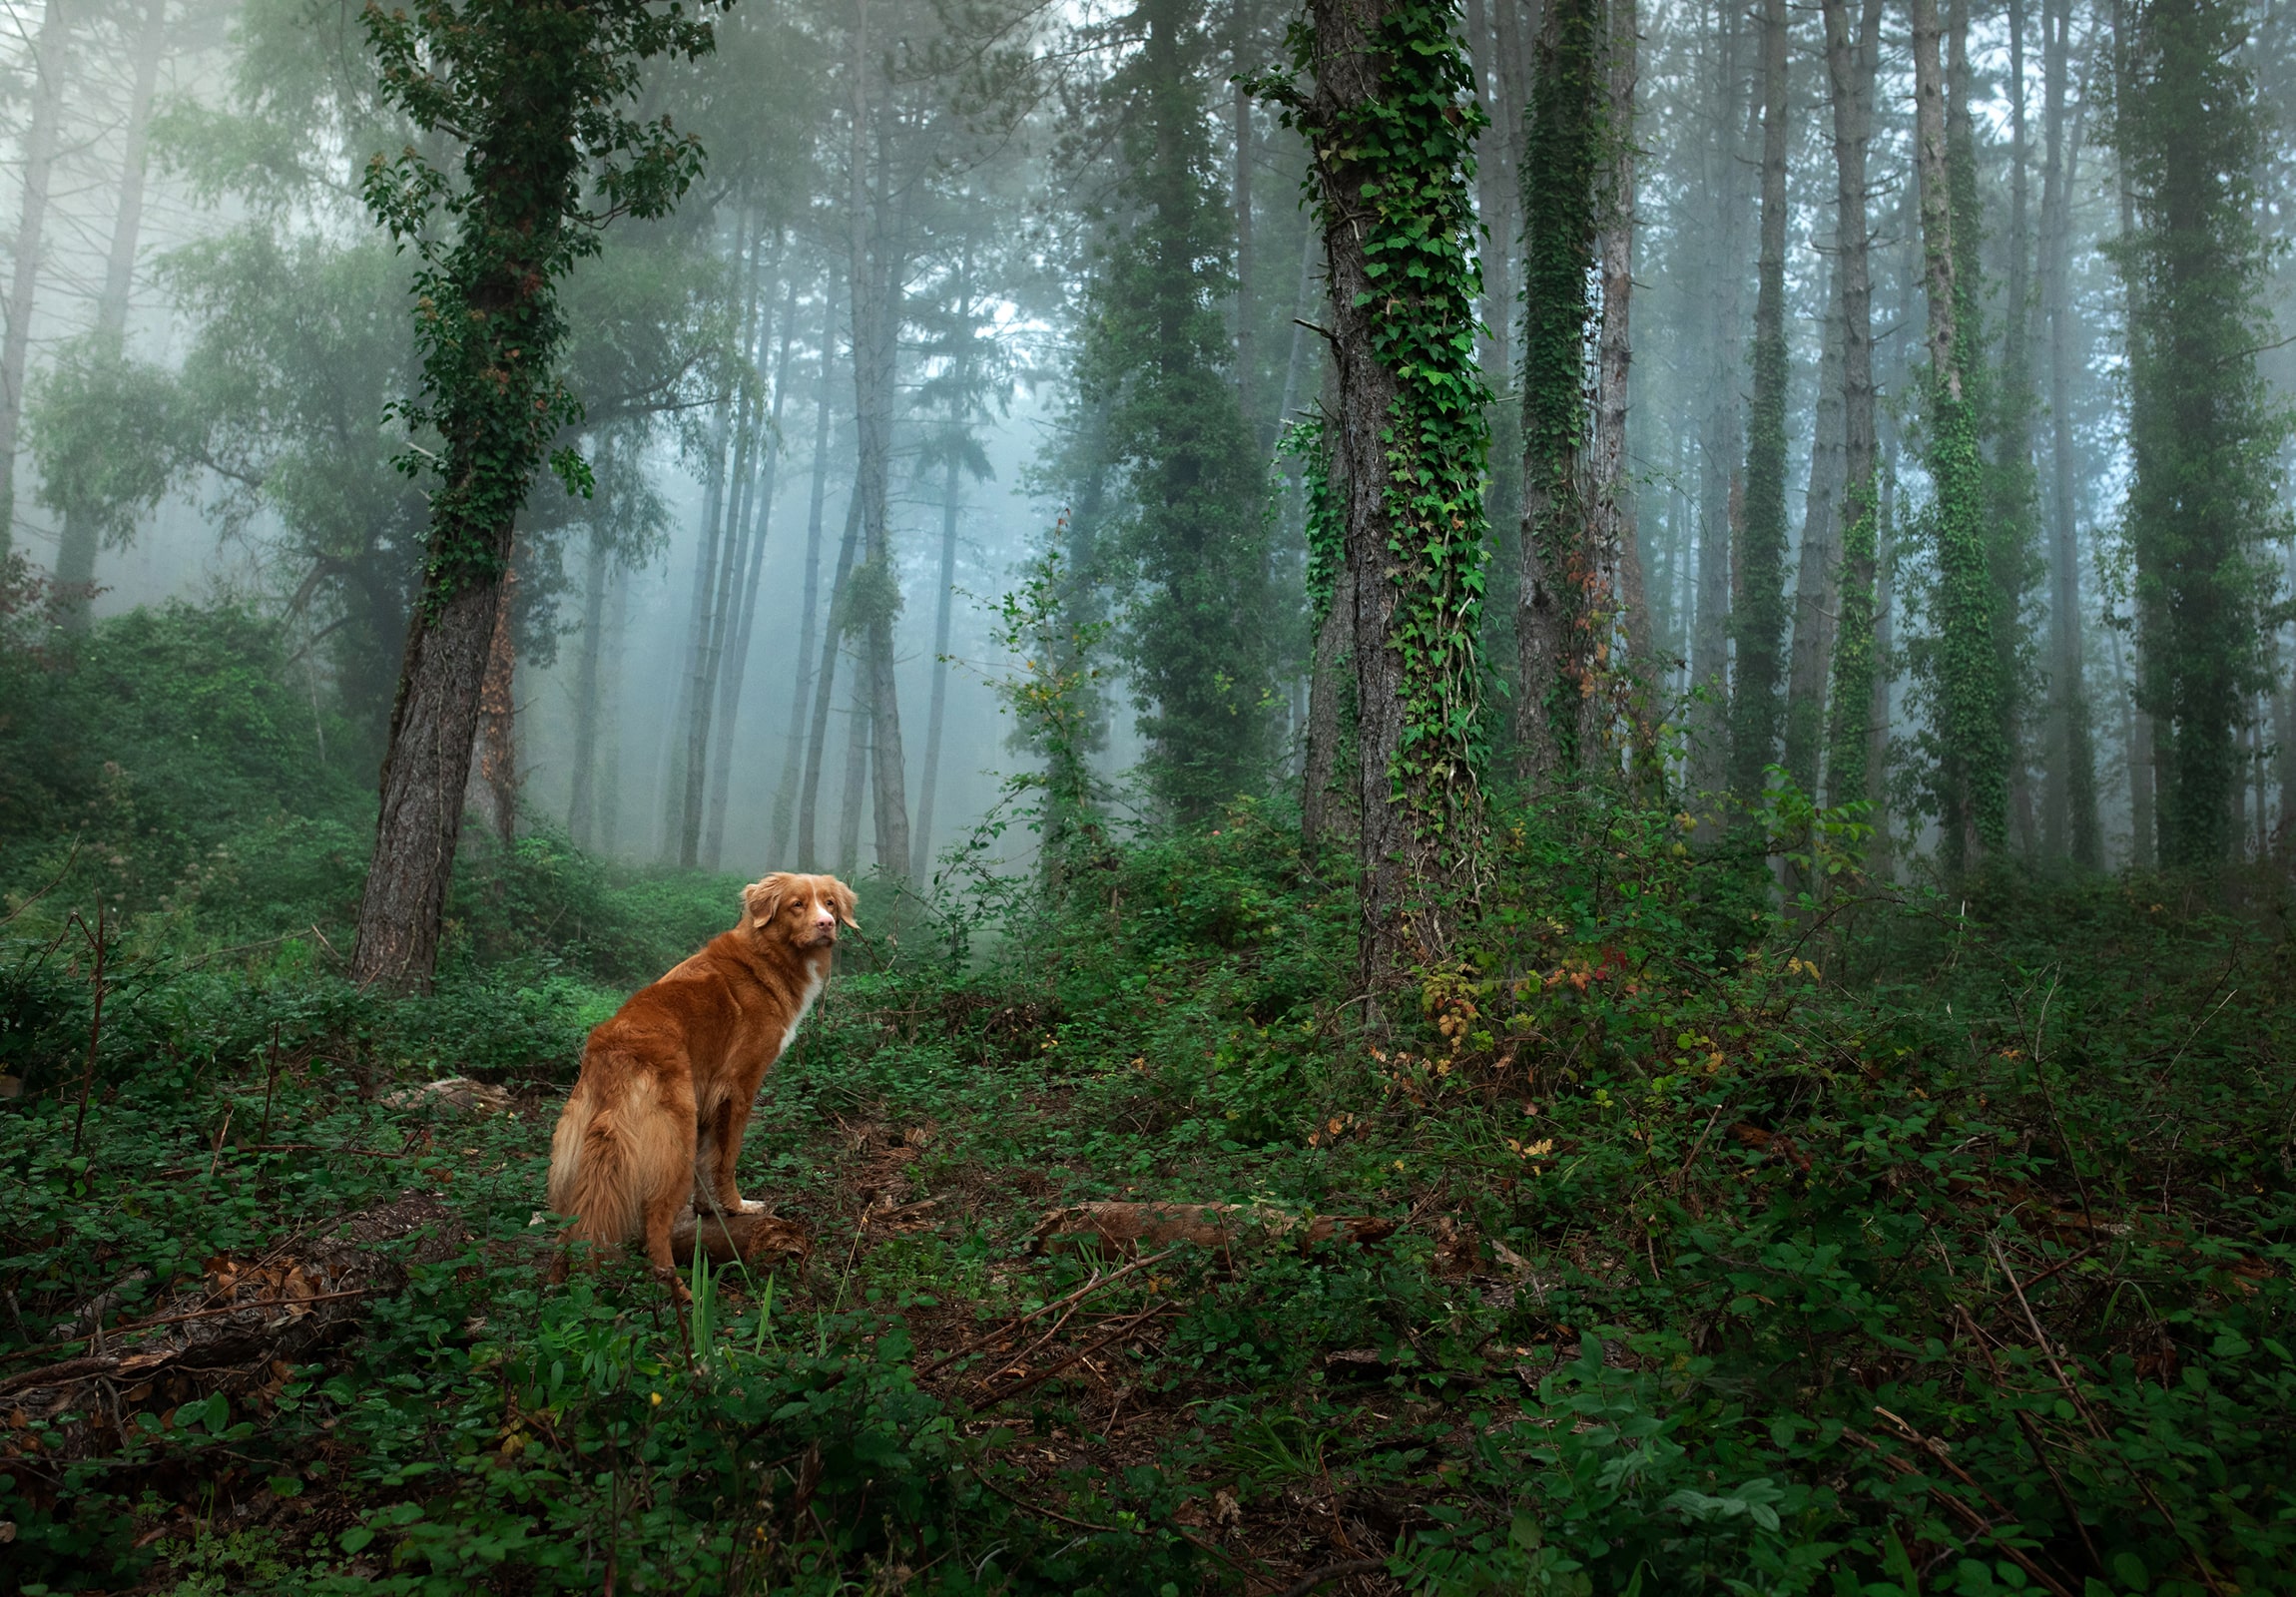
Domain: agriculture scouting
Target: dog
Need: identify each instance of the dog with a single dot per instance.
(658, 1113)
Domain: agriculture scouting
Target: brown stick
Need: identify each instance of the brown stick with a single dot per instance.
(95, 1027)
(270, 1081)
(1124, 1329)
(1964, 1513)
(1097, 1283)
(2136, 1477)
(2033, 1440)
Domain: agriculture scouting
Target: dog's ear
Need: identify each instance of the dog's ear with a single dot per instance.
(842, 897)
(761, 900)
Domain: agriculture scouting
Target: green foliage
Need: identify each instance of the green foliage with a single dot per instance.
(2205, 433)
(1190, 533)
(1054, 699)
(106, 432)
(1736, 1249)
(1326, 523)
(1849, 714)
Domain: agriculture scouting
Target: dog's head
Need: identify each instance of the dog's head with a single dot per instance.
(804, 912)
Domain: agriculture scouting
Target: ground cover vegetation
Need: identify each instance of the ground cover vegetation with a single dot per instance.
(1910, 1245)
(1460, 1007)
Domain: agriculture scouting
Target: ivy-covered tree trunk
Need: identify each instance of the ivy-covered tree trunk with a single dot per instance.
(1563, 608)
(2069, 817)
(2204, 436)
(1966, 717)
(597, 570)
(535, 91)
(2014, 496)
(1760, 614)
(1390, 123)
(51, 53)
(1850, 69)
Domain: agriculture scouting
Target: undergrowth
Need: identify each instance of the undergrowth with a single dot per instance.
(1881, 1245)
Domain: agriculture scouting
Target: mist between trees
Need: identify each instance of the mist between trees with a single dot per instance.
(1940, 466)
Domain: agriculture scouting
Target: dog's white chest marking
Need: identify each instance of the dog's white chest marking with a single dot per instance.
(814, 985)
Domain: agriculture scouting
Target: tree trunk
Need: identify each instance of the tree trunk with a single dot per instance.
(690, 683)
(52, 55)
(1817, 578)
(1414, 648)
(766, 475)
(496, 751)
(921, 869)
(1851, 773)
(857, 750)
(609, 762)
(2069, 801)
(77, 548)
(1240, 200)
(1973, 770)
(1720, 451)
(581, 807)
(809, 607)
(1615, 483)
(1760, 612)
(1562, 609)
(824, 684)
(876, 290)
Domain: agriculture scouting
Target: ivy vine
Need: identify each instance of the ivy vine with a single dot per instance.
(1397, 168)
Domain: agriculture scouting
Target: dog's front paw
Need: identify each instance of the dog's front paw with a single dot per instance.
(746, 1206)
(675, 1283)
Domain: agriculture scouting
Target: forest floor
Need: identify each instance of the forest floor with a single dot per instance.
(1887, 1248)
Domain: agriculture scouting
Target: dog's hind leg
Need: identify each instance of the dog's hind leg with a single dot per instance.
(667, 1162)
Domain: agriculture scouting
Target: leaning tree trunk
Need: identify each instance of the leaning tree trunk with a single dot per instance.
(809, 607)
(75, 549)
(52, 55)
(1388, 125)
(824, 684)
(765, 477)
(858, 752)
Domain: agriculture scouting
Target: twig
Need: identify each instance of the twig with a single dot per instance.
(270, 1081)
(1694, 1147)
(95, 1027)
(1316, 1577)
(2089, 1417)
(1048, 1513)
(219, 1136)
(1969, 1516)
(1096, 1283)
(45, 891)
(69, 1369)
(1124, 1329)
(2032, 1440)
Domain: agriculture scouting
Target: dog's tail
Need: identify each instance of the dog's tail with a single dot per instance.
(607, 1154)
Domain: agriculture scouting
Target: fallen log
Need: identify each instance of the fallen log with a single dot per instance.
(1124, 1226)
(746, 1236)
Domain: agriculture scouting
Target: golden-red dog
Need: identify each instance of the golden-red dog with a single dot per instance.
(664, 1096)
